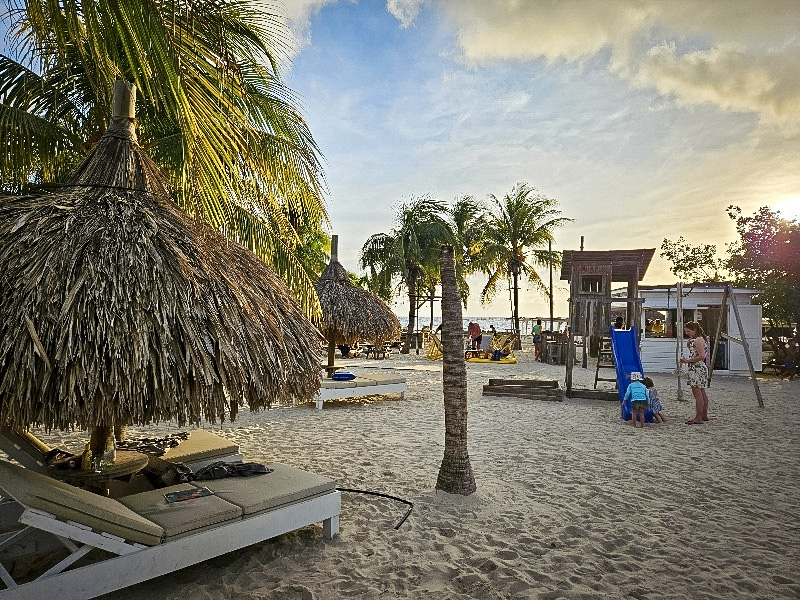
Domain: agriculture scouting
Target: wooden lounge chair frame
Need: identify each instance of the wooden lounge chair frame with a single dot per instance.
(134, 562)
(435, 350)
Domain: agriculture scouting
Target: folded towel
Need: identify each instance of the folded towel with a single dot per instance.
(343, 376)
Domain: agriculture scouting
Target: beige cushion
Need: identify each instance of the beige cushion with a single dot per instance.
(332, 384)
(67, 502)
(201, 445)
(259, 493)
(182, 518)
(384, 378)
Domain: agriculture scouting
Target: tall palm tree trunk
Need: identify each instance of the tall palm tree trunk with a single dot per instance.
(412, 316)
(455, 474)
(516, 304)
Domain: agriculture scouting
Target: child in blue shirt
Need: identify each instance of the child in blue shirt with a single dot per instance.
(639, 397)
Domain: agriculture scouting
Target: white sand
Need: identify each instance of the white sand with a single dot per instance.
(572, 502)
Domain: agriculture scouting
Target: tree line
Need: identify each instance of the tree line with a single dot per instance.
(505, 239)
(766, 257)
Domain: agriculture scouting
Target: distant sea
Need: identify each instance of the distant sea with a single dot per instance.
(500, 323)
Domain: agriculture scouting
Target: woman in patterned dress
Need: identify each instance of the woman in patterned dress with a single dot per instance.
(698, 370)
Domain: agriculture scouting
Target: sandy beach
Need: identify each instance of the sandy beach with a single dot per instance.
(571, 502)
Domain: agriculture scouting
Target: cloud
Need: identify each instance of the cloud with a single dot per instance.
(727, 53)
(298, 15)
(405, 11)
(728, 77)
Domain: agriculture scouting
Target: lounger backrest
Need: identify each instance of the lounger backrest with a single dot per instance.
(70, 503)
(201, 445)
(25, 448)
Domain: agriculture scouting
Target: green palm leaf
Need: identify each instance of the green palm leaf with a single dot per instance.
(214, 114)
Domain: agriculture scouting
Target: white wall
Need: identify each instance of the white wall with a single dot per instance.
(751, 322)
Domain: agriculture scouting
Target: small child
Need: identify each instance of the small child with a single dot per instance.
(655, 403)
(638, 396)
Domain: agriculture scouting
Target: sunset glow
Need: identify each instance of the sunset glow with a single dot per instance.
(789, 208)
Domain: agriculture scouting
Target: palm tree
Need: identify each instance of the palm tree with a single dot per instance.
(407, 253)
(455, 473)
(515, 242)
(465, 217)
(467, 221)
(216, 117)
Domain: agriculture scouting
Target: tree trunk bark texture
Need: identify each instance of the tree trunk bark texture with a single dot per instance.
(455, 473)
(412, 316)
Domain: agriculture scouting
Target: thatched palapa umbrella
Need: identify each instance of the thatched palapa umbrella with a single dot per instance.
(350, 312)
(118, 308)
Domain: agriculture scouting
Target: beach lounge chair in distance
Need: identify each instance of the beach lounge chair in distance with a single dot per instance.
(363, 385)
(142, 536)
(435, 350)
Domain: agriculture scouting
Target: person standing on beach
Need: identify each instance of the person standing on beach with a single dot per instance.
(537, 340)
(697, 377)
(474, 332)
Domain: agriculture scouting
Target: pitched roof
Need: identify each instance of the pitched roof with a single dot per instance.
(626, 265)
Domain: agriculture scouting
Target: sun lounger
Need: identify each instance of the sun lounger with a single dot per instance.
(202, 448)
(364, 385)
(435, 350)
(25, 448)
(142, 536)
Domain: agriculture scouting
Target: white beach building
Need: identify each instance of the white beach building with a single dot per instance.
(701, 302)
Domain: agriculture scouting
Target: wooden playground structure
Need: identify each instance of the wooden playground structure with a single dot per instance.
(591, 274)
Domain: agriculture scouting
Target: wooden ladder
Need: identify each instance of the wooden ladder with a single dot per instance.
(605, 360)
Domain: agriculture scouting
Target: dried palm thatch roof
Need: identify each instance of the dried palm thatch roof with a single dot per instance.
(116, 307)
(350, 312)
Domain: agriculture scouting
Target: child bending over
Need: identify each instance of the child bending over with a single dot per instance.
(655, 403)
(638, 396)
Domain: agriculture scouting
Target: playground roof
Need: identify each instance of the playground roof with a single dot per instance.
(626, 265)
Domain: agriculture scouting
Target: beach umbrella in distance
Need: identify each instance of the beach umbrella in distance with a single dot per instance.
(118, 308)
(350, 312)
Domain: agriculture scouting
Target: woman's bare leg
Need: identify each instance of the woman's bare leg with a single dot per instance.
(704, 412)
(698, 405)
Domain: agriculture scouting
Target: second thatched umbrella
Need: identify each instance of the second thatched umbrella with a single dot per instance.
(349, 312)
(117, 308)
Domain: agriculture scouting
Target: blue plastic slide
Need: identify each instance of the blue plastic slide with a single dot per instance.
(625, 348)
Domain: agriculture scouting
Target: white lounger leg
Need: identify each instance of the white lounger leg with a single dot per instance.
(330, 527)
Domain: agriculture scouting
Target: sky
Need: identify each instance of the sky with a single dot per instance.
(644, 119)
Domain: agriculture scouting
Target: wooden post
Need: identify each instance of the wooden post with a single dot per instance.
(718, 332)
(124, 99)
(679, 339)
(570, 357)
(729, 291)
(550, 260)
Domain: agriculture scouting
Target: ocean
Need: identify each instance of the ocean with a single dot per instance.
(501, 324)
